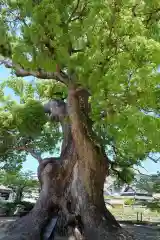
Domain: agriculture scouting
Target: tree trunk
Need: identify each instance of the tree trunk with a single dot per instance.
(74, 184)
(19, 195)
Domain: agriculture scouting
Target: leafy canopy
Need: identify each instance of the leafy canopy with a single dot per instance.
(113, 49)
(17, 179)
(24, 123)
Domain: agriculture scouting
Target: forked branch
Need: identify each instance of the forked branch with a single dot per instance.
(30, 151)
(41, 74)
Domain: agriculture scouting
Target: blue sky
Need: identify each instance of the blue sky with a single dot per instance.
(31, 163)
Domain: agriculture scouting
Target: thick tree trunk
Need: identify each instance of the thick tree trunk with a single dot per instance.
(74, 184)
(82, 209)
(90, 216)
(88, 175)
(32, 225)
(19, 195)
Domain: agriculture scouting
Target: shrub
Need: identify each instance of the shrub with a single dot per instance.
(27, 205)
(154, 205)
(23, 208)
(8, 208)
(129, 202)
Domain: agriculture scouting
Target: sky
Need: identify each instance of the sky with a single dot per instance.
(149, 167)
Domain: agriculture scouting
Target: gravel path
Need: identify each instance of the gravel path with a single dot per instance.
(144, 232)
(140, 232)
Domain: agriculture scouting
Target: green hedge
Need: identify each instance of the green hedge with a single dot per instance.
(9, 207)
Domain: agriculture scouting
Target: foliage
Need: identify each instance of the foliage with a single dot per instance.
(8, 208)
(150, 184)
(111, 47)
(154, 205)
(24, 119)
(27, 205)
(19, 182)
(23, 208)
(13, 179)
(124, 175)
(24, 122)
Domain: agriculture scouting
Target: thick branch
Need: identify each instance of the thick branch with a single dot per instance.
(57, 111)
(119, 175)
(78, 119)
(29, 150)
(20, 72)
(44, 163)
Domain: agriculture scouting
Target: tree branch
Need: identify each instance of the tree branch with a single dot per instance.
(74, 11)
(43, 164)
(21, 72)
(134, 10)
(119, 175)
(114, 167)
(153, 159)
(31, 151)
(152, 14)
(144, 174)
(77, 50)
(56, 109)
(80, 14)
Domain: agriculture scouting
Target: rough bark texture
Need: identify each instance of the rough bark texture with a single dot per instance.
(75, 183)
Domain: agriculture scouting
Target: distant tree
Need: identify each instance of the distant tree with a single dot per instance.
(150, 184)
(20, 182)
(155, 204)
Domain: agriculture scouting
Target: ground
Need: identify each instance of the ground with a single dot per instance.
(141, 232)
(144, 232)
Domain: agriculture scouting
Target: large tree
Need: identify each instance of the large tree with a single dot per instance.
(102, 58)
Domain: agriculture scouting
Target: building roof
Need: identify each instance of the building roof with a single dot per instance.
(5, 188)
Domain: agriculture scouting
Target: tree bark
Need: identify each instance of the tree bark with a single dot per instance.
(19, 195)
(74, 184)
